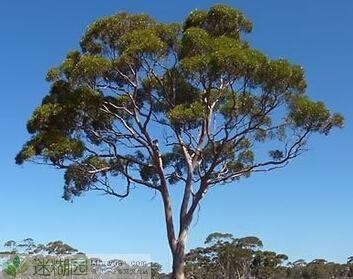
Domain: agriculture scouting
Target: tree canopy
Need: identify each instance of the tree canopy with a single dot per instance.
(215, 98)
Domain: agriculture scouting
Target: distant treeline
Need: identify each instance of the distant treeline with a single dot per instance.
(222, 257)
(227, 257)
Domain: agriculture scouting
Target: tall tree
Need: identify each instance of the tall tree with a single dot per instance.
(159, 104)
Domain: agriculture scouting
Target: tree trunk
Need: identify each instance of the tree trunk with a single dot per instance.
(178, 262)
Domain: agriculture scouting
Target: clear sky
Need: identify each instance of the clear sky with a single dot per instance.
(304, 210)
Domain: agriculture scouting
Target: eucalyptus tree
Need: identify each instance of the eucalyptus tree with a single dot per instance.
(156, 104)
(29, 247)
(223, 257)
(267, 263)
(11, 246)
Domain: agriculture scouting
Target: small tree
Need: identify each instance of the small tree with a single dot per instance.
(11, 246)
(161, 104)
(27, 246)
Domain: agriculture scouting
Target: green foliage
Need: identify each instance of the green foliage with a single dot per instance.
(265, 263)
(142, 41)
(186, 114)
(313, 116)
(173, 90)
(53, 74)
(107, 32)
(219, 20)
(219, 238)
(90, 68)
(225, 256)
(29, 247)
(59, 248)
(197, 87)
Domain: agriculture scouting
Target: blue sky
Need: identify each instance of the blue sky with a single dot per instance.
(304, 210)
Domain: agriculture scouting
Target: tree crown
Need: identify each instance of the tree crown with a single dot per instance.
(219, 109)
